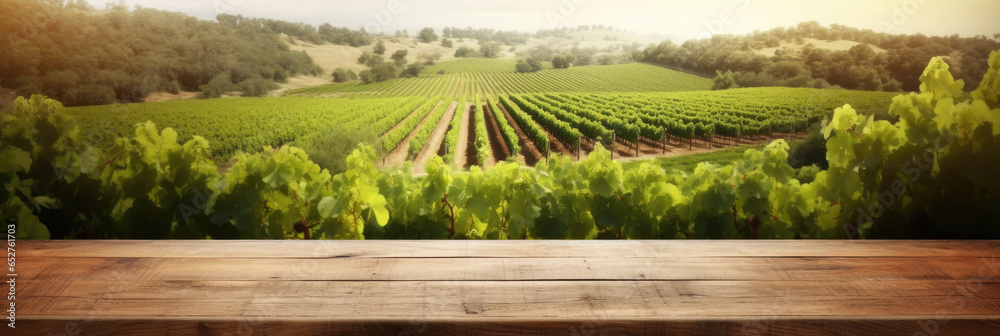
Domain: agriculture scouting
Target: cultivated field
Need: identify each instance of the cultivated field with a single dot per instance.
(478, 125)
(487, 79)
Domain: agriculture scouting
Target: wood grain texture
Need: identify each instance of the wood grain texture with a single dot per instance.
(509, 288)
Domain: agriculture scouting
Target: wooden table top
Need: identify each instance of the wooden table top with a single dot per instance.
(412, 288)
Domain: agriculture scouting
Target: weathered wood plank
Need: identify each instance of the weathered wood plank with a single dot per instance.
(510, 269)
(778, 326)
(505, 249)
(555, 299)
(509, 288)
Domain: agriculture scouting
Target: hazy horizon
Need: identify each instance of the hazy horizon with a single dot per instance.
(678, 20)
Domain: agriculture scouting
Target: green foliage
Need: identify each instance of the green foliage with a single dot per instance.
(527, 124)
(932, 174)
(510, 137)
(723, 81)
(454, 127)
(370, 59)
(358, 202)
(84, 57)
(879, 61)
(447, 43)
(529, 65)
(379, 48)
(174, 88)
(423, 134)
(383, 72)
(482, 142)
(412, 70)
(43, 160)
(366, 76)
(490, 49)
(457, 66)
(466, 52)
(395, 136)
(427, 35)
(561, 62)
(330, 148)
(811, 151)
(256, 87)
(219, 85)
(399, 57)
(341, 75)
(244, 124)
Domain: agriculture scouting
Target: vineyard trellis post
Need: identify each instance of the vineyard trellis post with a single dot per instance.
(614, 137)
(664, 142)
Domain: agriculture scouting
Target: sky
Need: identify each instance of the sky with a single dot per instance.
(676, 19)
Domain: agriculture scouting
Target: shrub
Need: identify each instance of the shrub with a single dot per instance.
(466, 52)
(367, 76)
(810, 152)
(330, 149)
(413, 70)
(427, 35)
(281, 76)
(174, 87)
(340, 75)
(561, 62)
(219, 84)
(399, 57)
(257, 87)
(529, 65)
(90, 94)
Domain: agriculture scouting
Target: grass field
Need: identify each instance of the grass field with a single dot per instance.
(633, 77)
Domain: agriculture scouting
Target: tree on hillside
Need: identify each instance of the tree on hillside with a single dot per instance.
(723, 80)
(522, 66)
(342, 75)
(385, 71)
(490, 49)
(787, 69)
(399, 57)
(429, 58)
(528, 65)
(561, 62)
(427, 35)
(366, 76)
(64, 59)
(413, 70)
(447, 43)
(380, 48)
(466, 52)
(541, 52)
(370, 59)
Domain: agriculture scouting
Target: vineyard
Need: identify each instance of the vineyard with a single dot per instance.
(633, 77)
(567, 123)
(660, 119)
(462, 65)
(938, 146)
(244, 124)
